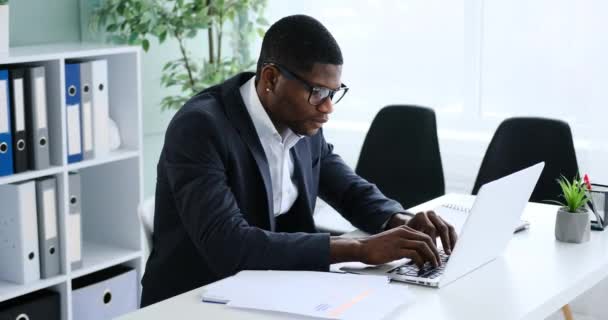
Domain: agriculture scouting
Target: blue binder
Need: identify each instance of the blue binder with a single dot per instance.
(73, 112)
(6, 142)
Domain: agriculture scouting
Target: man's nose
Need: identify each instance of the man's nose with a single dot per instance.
(327, 106)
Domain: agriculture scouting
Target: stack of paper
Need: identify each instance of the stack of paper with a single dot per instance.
(317, 294)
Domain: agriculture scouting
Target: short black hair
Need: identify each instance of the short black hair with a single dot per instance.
(298, 42)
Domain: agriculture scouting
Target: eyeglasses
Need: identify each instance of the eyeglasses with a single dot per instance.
(317, 95)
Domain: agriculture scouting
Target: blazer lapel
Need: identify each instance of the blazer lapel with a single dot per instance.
(237, 112)
(302, 171)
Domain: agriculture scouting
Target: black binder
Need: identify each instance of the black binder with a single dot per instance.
(40, 305)
(18, 125)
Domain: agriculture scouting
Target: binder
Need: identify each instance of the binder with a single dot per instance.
(105, 294)
(74, 223)
(6, 148)
(19, 132)
(87, 112)
(43, 304)
(101, 107)
(36, 114)
(19, 260)
(72, 100)
(48, 239)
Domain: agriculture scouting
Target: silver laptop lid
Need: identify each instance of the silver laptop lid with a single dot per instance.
(490, 224)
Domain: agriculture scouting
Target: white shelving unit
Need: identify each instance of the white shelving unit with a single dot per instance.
(112, 186)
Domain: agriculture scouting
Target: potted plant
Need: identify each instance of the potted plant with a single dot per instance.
(4, 27)
(573, 223)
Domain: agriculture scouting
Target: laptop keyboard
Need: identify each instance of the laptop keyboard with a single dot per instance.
(427, 270)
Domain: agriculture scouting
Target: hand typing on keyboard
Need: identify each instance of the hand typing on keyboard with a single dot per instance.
(426, 271)
(398, 243)
(413, 238)
(435, 226)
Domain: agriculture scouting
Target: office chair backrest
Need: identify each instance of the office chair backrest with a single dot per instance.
(401, 155)
(146, 214)
(521, 142)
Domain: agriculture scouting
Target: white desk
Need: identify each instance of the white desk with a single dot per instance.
(535, 277)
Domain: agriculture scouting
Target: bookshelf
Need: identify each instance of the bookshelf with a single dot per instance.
(111, 185)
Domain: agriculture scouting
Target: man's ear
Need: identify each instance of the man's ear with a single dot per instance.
(269, 77)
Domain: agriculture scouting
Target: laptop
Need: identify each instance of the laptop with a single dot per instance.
(484, 235)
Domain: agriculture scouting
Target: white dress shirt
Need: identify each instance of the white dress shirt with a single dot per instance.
(276, 147)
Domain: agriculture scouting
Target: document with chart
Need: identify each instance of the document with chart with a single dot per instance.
(318, 294)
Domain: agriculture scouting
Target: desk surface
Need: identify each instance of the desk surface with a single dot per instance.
(535, 276)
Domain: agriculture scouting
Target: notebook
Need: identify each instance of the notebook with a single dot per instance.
(457, 214)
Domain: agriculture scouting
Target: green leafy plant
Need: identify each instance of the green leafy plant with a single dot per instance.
(3, 2)
(574, 193)
(138, 21)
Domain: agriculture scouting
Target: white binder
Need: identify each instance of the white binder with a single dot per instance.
(19, 260)
(48, 239)
(86, 86)
(74, 223)
(101, 107)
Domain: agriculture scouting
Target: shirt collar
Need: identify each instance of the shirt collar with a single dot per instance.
(261, 121)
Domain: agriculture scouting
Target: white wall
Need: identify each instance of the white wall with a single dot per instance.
(475, 63)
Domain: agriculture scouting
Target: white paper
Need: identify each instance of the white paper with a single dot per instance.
(317, 294)
(19, 105)
(74, 129)
(40, 102)
(4, 120)
(50, 213)
(87, 130)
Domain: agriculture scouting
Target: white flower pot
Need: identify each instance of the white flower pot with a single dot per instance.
(4, 29)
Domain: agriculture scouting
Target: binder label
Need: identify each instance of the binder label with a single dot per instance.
(73, 243)
(19, 105)
(87, 131)
(50, 213)
(41, 102)
(74, 129)
(4, 120)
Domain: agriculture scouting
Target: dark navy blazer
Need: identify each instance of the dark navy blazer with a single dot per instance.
(214, 215)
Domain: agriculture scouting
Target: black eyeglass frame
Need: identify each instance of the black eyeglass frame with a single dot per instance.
(311, 88)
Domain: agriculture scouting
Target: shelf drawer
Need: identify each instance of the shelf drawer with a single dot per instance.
(105, 294)
(40, 305)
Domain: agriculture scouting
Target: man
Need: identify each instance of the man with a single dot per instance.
(243, 163)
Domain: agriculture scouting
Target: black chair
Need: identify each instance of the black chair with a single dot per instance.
(521, 142)
(401, 156)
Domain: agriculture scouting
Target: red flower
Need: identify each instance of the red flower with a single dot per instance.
(587, 182)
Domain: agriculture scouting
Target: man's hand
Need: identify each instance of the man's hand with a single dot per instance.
(434, 226)
(414, 238)
(398, 243)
